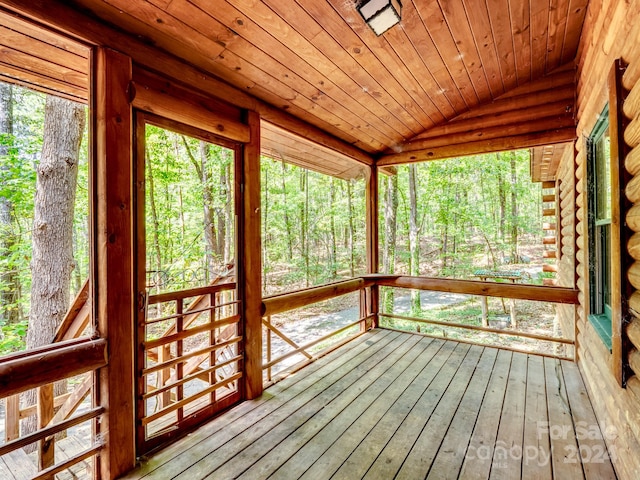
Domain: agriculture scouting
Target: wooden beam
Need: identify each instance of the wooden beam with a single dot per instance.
(188, 108)
(482, 146)
(113, 284)
(250, 248)
(480, 132)
(301, 298)
(490, 289)
(46, 365)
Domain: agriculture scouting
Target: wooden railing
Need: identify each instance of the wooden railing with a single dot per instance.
(39, 369)
(287, 302)
(547, 294)
(191, 342)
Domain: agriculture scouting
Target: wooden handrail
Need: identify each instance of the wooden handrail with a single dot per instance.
(301, 298)
(191, 292)
(49, 364)
(472, 287)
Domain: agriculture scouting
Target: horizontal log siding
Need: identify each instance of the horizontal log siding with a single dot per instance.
(607, 35)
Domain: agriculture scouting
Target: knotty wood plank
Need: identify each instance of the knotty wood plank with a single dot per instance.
(420, 458)
(341, 44)
(565, 455)
(452, 450)
(435, 23)
(536, 464)
(237, 455)
(501, 31)
(591, 440)
(510, 433)
(390, 459)
(312, 439)
(353, 453)
(478, 461)
(263, 418)
(275, 396)
(539, 25)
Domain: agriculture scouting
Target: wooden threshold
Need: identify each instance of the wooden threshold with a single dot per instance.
(400, 405)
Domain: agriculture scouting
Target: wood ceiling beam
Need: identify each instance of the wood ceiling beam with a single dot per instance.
(515, 142)
(59, 16)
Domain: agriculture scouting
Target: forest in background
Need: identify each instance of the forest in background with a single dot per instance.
(441, 218)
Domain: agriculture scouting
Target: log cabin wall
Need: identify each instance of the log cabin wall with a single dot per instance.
(565, 234)
(607, 35)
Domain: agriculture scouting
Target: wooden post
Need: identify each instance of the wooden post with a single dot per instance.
(512, 313)
(12, 418)
(46, 446)
(485, 311)
(250, 262)
(372, 239)
(113, 256)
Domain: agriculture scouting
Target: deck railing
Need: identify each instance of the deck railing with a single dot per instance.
(273, 364)
(546, 294)
(191, 345)
(40, 369)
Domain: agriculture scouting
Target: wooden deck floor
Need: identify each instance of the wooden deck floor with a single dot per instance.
(394, 405)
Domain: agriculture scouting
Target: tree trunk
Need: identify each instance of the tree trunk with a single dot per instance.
(9, 281)
(52, 245)
(502, 197)
(287, 223)
(352, 232)
(334, 248)
(414, 240)
(156, 225)
(390, 223)
(514, 209)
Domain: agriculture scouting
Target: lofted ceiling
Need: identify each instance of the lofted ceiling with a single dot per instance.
(455, 77)
(319, 61)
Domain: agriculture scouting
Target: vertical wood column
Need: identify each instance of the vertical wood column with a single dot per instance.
(113, 256)
(372, 239)
(250, 271)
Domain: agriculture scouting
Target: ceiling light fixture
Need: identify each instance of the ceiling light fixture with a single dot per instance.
(380, 15)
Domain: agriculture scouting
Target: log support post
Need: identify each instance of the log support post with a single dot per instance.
(113, 256)
(249, 249)
(372, 240)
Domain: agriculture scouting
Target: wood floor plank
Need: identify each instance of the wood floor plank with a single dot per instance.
(295, 412)
(564, 448)
(479, 457)
(400, 405)
(356, 421)
(536, 455)
(352, 459)
(325, 371)
(593, 450)
(425, 449)
(448, 461)
(331, 421)
(318, 369)
(390, 459)
(507, 454)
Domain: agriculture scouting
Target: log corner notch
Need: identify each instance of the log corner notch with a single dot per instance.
(538, 113)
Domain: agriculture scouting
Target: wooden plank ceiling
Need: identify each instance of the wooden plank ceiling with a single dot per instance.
(447, 61)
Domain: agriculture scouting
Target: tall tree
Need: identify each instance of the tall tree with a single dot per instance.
(414, 240)
(52, 244)
(390, 224)
(514, 208)
(9, 280)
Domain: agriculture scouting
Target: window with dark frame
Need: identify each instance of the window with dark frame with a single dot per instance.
(599, 219)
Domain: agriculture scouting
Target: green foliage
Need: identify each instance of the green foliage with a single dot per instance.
(465, 213)
(13, 337)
